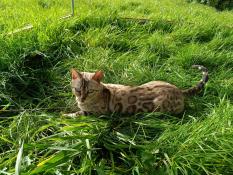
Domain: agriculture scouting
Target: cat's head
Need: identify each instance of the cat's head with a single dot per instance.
(86, 86)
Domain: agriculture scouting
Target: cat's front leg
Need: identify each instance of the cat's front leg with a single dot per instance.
(77, 114)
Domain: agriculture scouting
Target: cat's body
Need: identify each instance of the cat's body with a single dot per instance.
(149, 97)
(95, 97)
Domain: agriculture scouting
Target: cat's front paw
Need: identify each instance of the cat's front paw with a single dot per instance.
(76, 114)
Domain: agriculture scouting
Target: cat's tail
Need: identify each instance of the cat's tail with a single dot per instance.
(194, 90)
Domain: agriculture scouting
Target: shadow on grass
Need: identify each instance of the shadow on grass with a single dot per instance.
(126, 138)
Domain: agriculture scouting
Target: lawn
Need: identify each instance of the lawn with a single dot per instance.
(133, 42)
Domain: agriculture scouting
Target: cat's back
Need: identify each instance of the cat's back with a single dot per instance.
(151, 84)
(158, 84)
(148, 97)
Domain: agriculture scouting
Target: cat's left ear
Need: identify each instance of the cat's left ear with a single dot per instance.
(75, 74)
(98, 76)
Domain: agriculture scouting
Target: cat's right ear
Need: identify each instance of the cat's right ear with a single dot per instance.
(98, 76)
(75, 74)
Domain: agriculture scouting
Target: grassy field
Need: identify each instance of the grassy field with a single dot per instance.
(35, 138)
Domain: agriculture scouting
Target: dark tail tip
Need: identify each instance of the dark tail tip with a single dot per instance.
(201, 84)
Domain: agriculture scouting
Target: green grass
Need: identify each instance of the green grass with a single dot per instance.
(35, 89)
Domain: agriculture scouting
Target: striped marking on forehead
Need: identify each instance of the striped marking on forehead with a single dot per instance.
(81, 84)
(84, 83)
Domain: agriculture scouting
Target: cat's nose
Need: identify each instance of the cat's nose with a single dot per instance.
(83, 99)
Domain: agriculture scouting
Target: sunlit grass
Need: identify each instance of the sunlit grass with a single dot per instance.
(35, 90)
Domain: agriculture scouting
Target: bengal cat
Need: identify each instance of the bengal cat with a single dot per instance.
(95, 97)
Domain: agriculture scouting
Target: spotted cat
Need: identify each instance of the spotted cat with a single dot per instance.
(95, 97)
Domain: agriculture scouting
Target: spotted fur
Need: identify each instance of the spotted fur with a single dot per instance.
(95, 97)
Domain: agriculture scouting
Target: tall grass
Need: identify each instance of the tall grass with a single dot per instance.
(35, 90)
